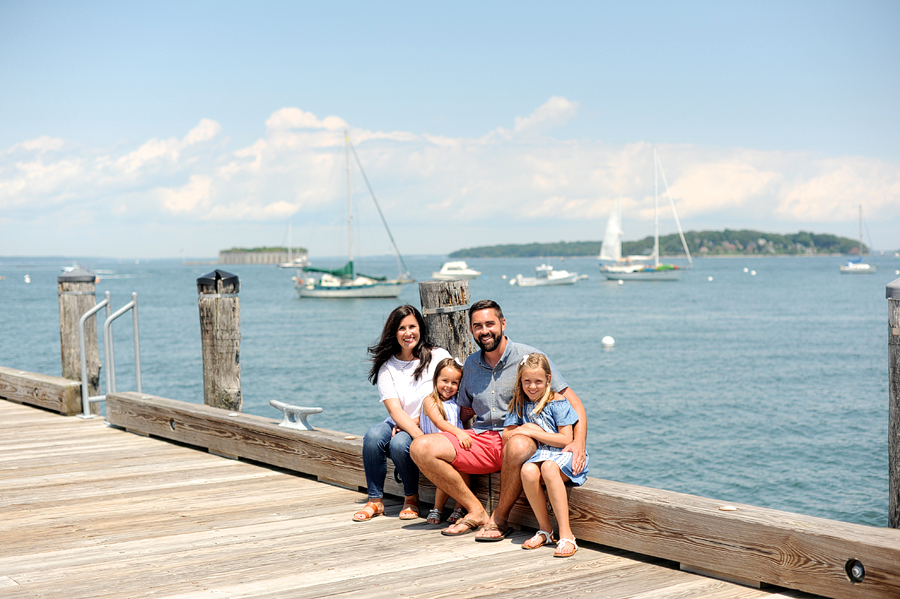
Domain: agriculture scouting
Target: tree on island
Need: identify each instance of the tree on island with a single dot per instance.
(700, 243)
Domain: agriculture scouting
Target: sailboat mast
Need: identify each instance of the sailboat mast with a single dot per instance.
(860, 231)
(349, 205)
(656, 208)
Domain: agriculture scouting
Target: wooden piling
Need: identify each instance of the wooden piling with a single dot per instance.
(76, 296)
(445, 308)
(220, 337)
(893, 297)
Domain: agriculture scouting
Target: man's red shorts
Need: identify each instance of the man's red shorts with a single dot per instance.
(483, 457)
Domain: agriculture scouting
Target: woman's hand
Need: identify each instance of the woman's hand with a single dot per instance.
(465, 439)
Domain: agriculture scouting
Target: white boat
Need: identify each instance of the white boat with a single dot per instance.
(456, 270)
(616, 267)
(858, 267)
(545, 275)
(301, 261)
(346, 282)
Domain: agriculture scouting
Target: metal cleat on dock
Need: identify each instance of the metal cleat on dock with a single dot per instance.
(295, 416)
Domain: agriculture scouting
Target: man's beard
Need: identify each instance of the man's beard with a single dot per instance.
(489, 347)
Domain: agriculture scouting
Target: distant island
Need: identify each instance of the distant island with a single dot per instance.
(265, 255)
(700, 243)
(275, 248)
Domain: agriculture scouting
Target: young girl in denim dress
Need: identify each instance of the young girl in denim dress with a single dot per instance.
(547, 418)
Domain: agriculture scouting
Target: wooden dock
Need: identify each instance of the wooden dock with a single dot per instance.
(90, 510)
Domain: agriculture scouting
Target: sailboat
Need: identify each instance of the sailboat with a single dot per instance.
(300, 261)
(346, 282)
(639, 268)
(858, 267)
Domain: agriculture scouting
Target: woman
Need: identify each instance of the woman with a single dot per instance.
(403, 364)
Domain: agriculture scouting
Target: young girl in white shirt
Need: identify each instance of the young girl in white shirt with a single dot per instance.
(440, 412)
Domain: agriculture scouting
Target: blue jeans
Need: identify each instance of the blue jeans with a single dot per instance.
(377, 445)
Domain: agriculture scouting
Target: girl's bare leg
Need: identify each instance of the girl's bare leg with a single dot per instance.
(555, 481)
(440, 499)
(531, 483)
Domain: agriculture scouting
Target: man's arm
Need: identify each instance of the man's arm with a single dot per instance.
(577, 446)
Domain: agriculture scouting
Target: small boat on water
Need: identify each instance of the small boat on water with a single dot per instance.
(345, 282)
(858, 267)
(546, 275)
(301, 261)
(616, 267)
(456, 270)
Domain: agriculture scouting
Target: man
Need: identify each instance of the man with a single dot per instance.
(489, 377)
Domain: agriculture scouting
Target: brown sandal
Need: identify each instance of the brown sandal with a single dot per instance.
(410, 510)
(369, 511)
(469, 524)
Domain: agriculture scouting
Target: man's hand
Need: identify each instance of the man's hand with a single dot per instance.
(579, 456)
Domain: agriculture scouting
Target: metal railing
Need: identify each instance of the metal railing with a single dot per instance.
(108, 351)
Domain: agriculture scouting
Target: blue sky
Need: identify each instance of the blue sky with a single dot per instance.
(178, 129)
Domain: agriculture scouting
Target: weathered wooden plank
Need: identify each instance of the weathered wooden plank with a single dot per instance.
(773, 547)
(322, 453)
(756, 544)
(41, 390)
(893, 295)
(183, 523)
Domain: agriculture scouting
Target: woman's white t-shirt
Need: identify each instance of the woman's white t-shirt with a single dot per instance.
(395, 380)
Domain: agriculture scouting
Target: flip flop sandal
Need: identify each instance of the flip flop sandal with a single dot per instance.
(456, 515)
(540, 538)
(410, 511)
(369, 511)
(434, 516)
(504, 531)
(562, 543)
(470, 525)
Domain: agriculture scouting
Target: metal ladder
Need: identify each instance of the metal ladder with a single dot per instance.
(108, 351)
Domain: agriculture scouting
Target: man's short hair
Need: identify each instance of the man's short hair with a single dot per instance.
(485, 304)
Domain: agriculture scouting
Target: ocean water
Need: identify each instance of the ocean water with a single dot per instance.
(768, 389)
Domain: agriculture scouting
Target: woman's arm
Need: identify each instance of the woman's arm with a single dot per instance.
(560, 439)
(401, 418)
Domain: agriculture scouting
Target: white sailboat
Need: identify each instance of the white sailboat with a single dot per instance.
(858, 267)
(346, 282)
(639, 268)
(301, 261)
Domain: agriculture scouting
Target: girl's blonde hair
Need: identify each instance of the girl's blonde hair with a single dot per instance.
(531, 362)
(452, 364)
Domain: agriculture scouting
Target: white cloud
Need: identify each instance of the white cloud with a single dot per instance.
(555, 111)
(188, 198)
(838, 187)
(720, 185)
(434, 189)
(44, 143)
(294, 118)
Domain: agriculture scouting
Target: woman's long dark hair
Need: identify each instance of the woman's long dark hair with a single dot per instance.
(387, 346)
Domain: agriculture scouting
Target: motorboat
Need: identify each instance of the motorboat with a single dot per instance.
(546, 275)
(456, 270)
